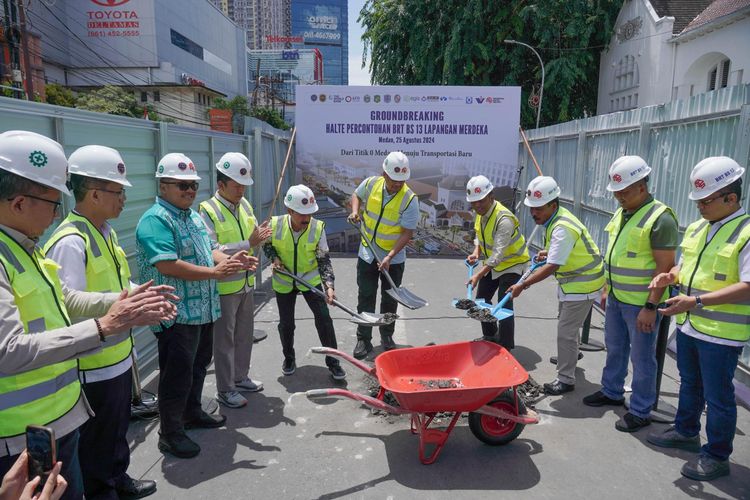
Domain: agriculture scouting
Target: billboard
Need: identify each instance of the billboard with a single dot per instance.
(449, 134)
(320, 24)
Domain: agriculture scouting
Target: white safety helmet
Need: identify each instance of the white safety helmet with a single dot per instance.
(34, 157)
(541, 191)
(712, 174)
(477, 188)
(99, 162)
(396, 165)
(237, 167)
(301, 199)
(177, 166)
(627, 170)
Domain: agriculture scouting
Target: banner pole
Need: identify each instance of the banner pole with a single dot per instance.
(283, 171)
(531, 153)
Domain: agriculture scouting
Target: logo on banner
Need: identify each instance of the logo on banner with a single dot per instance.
(367, 98)
(443, 98)
(396, 98)
(387, 98)
(322, 98)
(376, 98)
(469, 100)
(348, 98)
(480, 99)
(110, 3)
(314, 97)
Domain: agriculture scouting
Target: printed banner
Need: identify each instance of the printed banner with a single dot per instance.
(449, 134)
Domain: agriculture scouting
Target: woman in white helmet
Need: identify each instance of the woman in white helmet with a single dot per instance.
(712, 311)
(298, 244)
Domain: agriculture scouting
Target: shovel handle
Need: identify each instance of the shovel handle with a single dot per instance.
(525, 275)
(315, 290)
(374, 252)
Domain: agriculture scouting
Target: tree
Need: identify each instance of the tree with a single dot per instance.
(270, 116)
(59, 95)
(460, 42)
(109, 99)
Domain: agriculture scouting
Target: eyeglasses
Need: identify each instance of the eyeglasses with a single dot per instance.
(120, 193)
(57, 204)
(184, 186)
(707, 201)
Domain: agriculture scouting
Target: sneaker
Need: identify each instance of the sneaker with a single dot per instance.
(599, 399)
(232, 399)
(557, 387)
(362, 348)
(705, 468)
(249, 385)
(631, 423)
(288, 367)
(670, 438)
(178, 444)
(337, 372)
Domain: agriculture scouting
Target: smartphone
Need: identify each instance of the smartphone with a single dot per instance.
(40, 444)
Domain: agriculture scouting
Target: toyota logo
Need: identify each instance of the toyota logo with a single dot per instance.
(110, 3)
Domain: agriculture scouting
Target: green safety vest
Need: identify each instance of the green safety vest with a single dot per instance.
(381, 219)
(299, 257)
(42, 395)
(232, 229)
(707, 267)
(515, 252)
(584, 271)
(629, 260)
(107, 271)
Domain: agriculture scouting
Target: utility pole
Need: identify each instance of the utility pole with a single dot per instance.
(26, 59)
(13, 37)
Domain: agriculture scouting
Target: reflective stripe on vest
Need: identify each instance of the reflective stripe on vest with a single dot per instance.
(485, 227)
(107, 270)
(381, 218)
(42, 395)
(584, 270)
(707, 267)
(299, 257)
(231, 229)
(629, 261)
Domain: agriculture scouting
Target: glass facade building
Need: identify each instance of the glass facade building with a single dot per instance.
(323, 25)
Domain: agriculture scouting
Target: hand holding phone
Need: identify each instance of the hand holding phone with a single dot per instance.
(42, 453)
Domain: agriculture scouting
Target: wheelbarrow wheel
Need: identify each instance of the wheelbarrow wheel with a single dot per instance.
(498, 431)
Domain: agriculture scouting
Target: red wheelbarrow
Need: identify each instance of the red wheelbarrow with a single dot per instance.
(477, 377)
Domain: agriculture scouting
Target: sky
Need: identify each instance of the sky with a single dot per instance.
(357, 75)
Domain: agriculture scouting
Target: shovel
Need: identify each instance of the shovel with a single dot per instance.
(485, 312)
(363, 318)
(401, 295)
(466, 303)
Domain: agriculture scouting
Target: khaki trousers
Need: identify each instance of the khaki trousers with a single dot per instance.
(233, 339)
(569, 322)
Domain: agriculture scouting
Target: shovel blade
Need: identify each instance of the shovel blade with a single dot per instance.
(370, 319)
(406, 298)
(484, 305)
(502, 314)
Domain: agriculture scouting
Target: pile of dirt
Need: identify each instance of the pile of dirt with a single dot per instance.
(390, 317)
(465, 304)
(481, 314)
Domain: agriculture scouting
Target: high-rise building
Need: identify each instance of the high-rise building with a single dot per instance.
(323, 25)
(260, 19)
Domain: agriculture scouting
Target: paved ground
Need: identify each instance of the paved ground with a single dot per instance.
(282, 448)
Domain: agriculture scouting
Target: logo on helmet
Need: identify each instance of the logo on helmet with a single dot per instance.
(243, 171)
(182, 165)
(121, 168)
(191, 166)
(699, 183)
(537, 194)
(617, 178)
(226, 164)
(477, 190)
(38, 159)
(304, 201)
(289, 197)
(161, 169)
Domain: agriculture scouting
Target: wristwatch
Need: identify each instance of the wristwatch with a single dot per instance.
(650, 306)
(698, 302)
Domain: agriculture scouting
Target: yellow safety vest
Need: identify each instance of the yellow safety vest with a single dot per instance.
(707, 267)
(629, 261)
(231, 229)
(298, 257)
(107, 271)
(42, 395)
(380, 218)
(485, 226)
(583, 272)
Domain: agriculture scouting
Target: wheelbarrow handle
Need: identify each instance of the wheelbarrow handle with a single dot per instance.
(374, 252)
(329, 351)
(368, 400)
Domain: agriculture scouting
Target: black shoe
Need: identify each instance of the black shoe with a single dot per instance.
(259, 335)
(135, 488)
(178, 444)
(631, 423)
(387, 343)
(556, 387)
(288, 367)
(553, 359)
(599, 399)
(337, 373)
(362, 348)
(205, 421)
(705, 468)
(670, 438)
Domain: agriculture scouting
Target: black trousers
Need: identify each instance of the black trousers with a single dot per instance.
(323, 322)
(368, 276)
(486, 288)
(103, 446)
(184, 355)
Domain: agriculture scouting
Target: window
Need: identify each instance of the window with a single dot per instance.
(157, 96)
(626, 74)
(144, 97)
(718, 76)
(186, 44)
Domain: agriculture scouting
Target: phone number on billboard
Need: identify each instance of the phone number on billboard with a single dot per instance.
(114, 33)
(322, 35)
